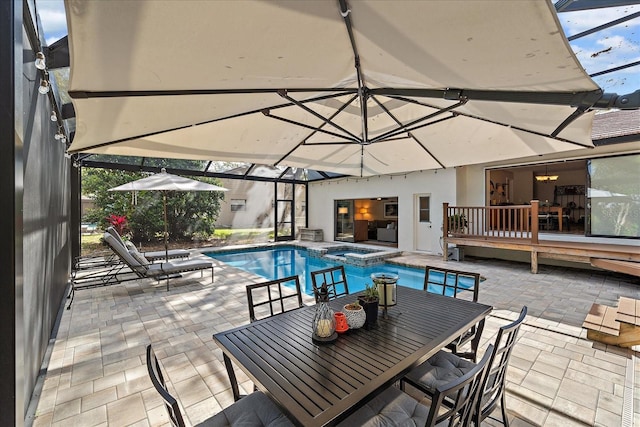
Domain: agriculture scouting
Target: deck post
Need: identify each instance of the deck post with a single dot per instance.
(445, 231)
(534, 261)
(534, 223)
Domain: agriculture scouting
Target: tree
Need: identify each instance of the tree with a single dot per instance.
(189, 214)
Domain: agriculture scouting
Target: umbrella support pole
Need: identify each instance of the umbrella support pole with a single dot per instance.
(167, 277)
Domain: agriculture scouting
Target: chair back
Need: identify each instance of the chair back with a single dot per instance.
(111, 230)
(451, 282)
(455, 283)
(493, 387)
(157, 378)
(457, 400)
(336, 281)
(273, 297)
(125, 256)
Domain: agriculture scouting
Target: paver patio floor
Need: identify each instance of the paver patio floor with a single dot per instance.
(95, 372)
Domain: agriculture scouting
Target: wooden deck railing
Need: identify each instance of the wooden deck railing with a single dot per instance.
(511, 222)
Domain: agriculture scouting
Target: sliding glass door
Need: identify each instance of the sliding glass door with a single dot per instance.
(343, 214)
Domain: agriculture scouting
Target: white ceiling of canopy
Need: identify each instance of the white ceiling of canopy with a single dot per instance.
(276, 82)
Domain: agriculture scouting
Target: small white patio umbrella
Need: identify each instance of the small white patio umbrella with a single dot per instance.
(165, 182)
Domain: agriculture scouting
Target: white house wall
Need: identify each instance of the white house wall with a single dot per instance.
(440, 185)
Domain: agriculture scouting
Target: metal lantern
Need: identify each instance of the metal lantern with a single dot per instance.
(386, 284)
(324, 322)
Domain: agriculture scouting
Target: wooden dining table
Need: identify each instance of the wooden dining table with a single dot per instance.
(321, 384)
(557, 210)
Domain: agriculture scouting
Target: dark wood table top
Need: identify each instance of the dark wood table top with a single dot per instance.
(319, 385)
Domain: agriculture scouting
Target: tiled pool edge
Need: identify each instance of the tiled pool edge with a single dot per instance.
(319, 251)
(355, 258)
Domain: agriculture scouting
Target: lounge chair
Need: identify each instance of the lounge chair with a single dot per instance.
(158, 271)
(151, 256)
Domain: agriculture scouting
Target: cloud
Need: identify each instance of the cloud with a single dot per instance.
(53, 18)
(609, 48)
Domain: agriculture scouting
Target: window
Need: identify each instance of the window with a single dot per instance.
(425, 209)
(238, 205)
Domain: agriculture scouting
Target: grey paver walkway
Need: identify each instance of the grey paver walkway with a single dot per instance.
(96, 373)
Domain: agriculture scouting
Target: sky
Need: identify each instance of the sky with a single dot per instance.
(603, 50)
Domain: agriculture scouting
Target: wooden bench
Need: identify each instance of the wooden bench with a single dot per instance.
(615, 325)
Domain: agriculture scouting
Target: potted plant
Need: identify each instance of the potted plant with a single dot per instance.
(369, 302)
(457, 223)
(355, 314)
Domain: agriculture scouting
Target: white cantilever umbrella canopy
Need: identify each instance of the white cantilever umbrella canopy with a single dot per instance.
(164, 182)
(383, 87)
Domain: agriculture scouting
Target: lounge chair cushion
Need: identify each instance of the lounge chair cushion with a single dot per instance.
(441, 368)
(390, 408)
(255, 409)
(164, 268)
(135, 253)
(162, 255)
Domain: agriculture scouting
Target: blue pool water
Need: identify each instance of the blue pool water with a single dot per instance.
(342, 252)
(284, 261)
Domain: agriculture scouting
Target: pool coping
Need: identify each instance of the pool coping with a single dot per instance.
(369, 259)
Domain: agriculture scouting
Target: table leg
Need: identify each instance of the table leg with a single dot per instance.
(232, 378)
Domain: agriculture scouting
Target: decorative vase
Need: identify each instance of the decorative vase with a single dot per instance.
(370, 308)
(324, 322)
(355, 318)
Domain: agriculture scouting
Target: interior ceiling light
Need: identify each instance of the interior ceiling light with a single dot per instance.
(546, 177)
(40, 62)
(54, 116)
(44, 87)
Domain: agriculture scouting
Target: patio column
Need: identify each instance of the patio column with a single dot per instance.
(445, 231)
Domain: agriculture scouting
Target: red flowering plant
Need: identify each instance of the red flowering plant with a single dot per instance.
(119, 222)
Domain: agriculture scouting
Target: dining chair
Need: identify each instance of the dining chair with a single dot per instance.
(273, 297)
(443, 367)
(452, 404)
(457, 284)
(254, 409)
(336, 281)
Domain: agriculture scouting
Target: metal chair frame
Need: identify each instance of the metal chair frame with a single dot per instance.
(157, 379)
(278, 298)
(458, 399)
(494, 384)
(451, 280)
(335, 279)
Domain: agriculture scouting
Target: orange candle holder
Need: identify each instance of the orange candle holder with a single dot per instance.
(341, 322)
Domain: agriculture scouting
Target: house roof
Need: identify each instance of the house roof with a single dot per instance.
(616, 124)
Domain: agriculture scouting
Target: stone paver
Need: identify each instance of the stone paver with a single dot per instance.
(96, 374)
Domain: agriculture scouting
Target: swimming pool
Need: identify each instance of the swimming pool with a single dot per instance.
(283, 261)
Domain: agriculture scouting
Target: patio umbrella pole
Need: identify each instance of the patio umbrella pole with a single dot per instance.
(166, 232)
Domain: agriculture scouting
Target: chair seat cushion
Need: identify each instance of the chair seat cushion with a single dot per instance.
(253, 410)
(390, 408)
(160, 255)
(164, 268)
(442, 368)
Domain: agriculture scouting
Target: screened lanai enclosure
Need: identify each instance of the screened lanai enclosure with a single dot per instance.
(285, 93)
